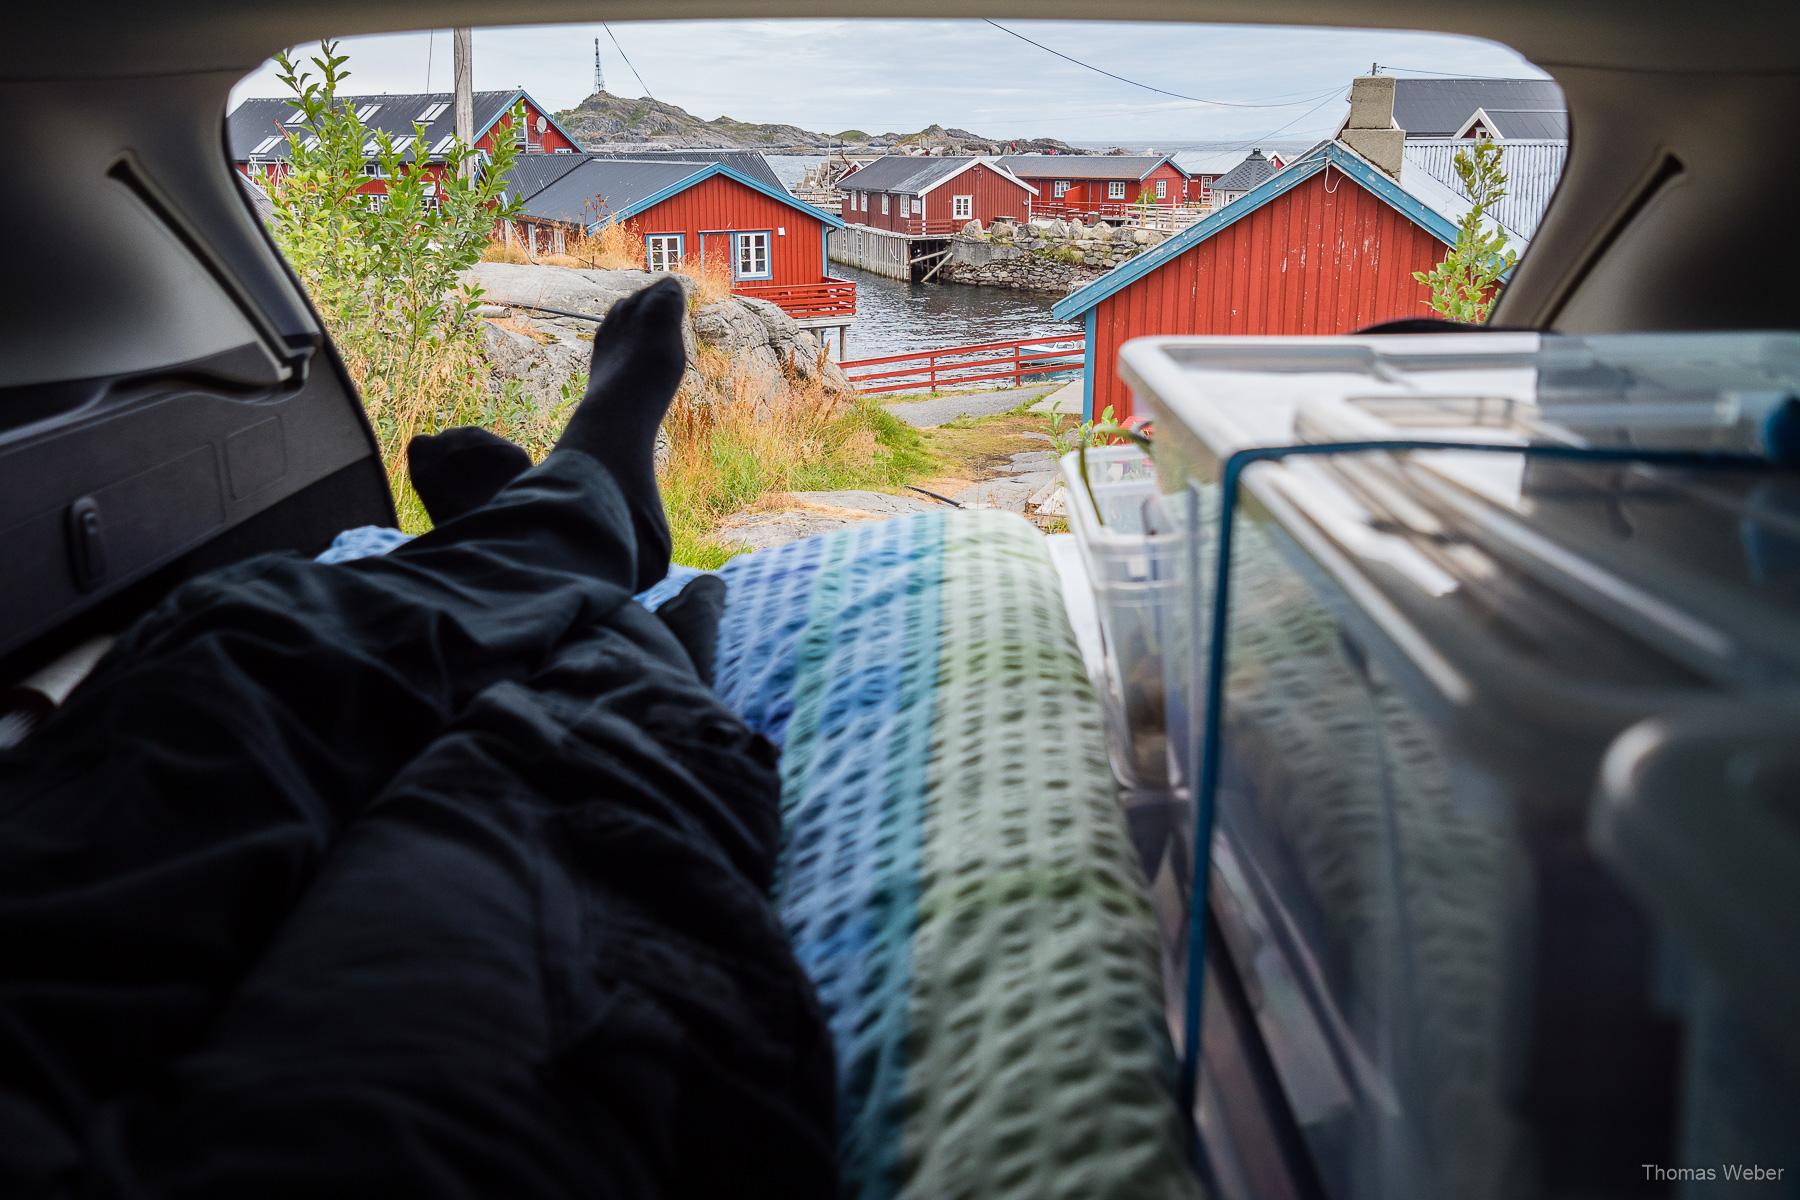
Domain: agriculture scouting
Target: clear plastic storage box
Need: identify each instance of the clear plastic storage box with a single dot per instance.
(1128, 546)
(1458, 569)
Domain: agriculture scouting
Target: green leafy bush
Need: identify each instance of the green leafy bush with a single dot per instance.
(383, 273)
(1465, 285)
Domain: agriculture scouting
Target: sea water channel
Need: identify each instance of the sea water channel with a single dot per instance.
(897, 318)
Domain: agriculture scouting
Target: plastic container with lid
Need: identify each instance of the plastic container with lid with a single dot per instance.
(1426, 654)
(1128, 545)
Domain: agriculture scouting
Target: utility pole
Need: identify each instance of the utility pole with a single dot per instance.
(462, 43)
(599, 74)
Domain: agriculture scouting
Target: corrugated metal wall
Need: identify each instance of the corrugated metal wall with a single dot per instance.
(1327, 257)
(719, 206)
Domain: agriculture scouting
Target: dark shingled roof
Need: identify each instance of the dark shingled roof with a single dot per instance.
(1439, 107)
(1246, 175)
(905, 174)
(598, 187)
(750, 163)
(1082, 166)
(260, 118)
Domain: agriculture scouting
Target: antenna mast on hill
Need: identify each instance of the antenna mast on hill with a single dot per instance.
(599, 74)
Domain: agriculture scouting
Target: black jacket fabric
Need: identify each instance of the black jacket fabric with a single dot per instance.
(435, 874)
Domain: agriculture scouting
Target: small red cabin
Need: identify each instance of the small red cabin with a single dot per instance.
(259, 129)
(922, 196)
(1325, 247)
(1099, 185)
(685, 210)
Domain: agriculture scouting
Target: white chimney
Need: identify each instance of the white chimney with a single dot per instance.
(1370, 131)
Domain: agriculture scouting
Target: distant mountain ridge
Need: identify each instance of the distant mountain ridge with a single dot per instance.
(607, 122)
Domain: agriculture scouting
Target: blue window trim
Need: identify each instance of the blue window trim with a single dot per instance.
(680, 246)
(768, 257)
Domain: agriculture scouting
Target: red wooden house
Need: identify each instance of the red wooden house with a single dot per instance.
(931, 196)
(772, 244)
(1099, 185)
(1325, 247)
(258, 131)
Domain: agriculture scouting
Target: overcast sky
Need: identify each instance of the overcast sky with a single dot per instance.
(902, 75)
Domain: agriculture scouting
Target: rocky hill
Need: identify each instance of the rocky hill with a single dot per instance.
(607, 122)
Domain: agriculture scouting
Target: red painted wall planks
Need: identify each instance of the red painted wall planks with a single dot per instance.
(711, 210)
(992, 196)
(1327, 257)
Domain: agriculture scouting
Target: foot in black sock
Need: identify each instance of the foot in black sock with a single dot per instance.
(693, 617)
(638, 363)
(461, 469)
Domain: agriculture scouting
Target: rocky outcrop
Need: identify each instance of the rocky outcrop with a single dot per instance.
(1046, 255)
(533, 338)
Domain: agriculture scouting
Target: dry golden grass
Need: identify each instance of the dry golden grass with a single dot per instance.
(614, 247)
(730, 446)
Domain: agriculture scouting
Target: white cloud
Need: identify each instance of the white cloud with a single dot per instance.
(903, 75)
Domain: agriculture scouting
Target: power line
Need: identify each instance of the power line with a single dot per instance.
(1255, 141)
(1465, 75)
(1147, 87)
(430, 49)
(627, 58)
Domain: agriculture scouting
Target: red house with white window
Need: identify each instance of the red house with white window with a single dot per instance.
(687, 210)
(259, 131)
(932, 196)
(1099, 185)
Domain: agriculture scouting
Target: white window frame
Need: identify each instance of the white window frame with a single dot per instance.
(375, 199)
(1162, 189)
(432, 112)
(1059, 189)
(562, 150)
(884, 204)
(1115, 190)
(864, 197)
(757, 237)
(962, 208)
(906, 206)
(664, 251)
(373, 169)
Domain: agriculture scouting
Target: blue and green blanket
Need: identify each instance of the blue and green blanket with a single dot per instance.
(957, 877)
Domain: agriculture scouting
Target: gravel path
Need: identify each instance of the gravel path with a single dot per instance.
(941, 410)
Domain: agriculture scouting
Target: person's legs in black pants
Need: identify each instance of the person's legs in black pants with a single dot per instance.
(155, 833)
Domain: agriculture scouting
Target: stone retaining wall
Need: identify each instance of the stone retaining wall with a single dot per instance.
(1042, 255)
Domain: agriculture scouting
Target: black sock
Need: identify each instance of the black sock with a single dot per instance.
(638, 363)
(461, 469)
(693, 617)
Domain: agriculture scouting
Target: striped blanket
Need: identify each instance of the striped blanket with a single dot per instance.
(956, 878)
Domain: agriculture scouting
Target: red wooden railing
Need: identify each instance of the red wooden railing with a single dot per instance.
(950, 366)
(805, 301)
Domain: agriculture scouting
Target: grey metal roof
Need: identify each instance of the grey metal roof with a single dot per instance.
(599, 187)
(1438, 107)
(1208, 162)
(1532, 170)
(532, 173)
(750, 163)
(1082, 166)
(1246, 175)
(259, 199)
(905, 174)
(1541, 123)
(256, 120)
